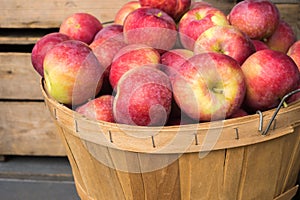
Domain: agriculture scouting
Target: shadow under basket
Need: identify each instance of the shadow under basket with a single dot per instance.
(229, 159)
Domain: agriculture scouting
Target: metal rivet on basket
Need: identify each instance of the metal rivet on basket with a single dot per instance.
(265, 132)
(196, 139)
(153, 142)
(76, 126)
(260, 126)
(110, 137)
(237, 134)
(274, 124)
(55, 115)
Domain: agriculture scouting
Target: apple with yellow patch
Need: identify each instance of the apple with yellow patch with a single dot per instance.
(196, 21)
(209, 86)
(100, 108)
(294, 53)
(72, 73)
(125, 10)
(227, 40)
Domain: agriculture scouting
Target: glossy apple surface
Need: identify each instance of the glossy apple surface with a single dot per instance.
(81, 26)
(129, 57)
(269, 76)
(282, 38)
(106, 45)
(125, 10)
(259, 45)
(294, 53)
(172, 60)
(72, 73)
(256, 18)
(197, 20)
(100, 108)
(174, 8)
(143, 97)
(227, 40)
(209, 86)
(152, 27)
(42, 46)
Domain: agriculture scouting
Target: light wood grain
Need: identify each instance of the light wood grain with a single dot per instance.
(18, 79)
(49, 13)
(26, 129)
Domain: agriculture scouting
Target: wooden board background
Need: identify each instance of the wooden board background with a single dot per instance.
(26, 128)
(50, 13)
(18, 80)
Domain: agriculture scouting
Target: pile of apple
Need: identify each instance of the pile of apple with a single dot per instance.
(171, 62)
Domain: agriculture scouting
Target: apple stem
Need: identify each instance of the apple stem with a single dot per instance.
(285, 104)
(217, 90)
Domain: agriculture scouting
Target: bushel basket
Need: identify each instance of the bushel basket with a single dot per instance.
(230, 159)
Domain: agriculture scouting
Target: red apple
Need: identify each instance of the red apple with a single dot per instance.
(72, 72)
(294, 97)
(239, 113)
(227, 40)
(100, 108)
(108, 42)
(42, 46)
(172, 60)
(209, 86)
(256, 18)
(152, 27)
(294, 53)
(132, 56)
(269, 76)
(125, 10)
(177, 117)
(143, 97)
(174, 8)
(196, 21)
(200, 4)
(109, 31)
(282, 38)
(81, 26)
(259, 45)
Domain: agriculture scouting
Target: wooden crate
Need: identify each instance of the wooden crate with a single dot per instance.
(25, 125)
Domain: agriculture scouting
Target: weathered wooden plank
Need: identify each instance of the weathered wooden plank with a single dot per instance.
(49, 13)
(18, 79)
(26, 129)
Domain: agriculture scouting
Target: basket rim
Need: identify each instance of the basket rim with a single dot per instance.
(158, 135)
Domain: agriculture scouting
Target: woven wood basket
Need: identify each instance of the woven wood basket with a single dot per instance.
(229, 159)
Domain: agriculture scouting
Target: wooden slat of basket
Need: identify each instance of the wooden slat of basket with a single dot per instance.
(288, 195)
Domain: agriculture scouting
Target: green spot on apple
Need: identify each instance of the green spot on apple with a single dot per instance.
(159, 14)
(198, 16)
